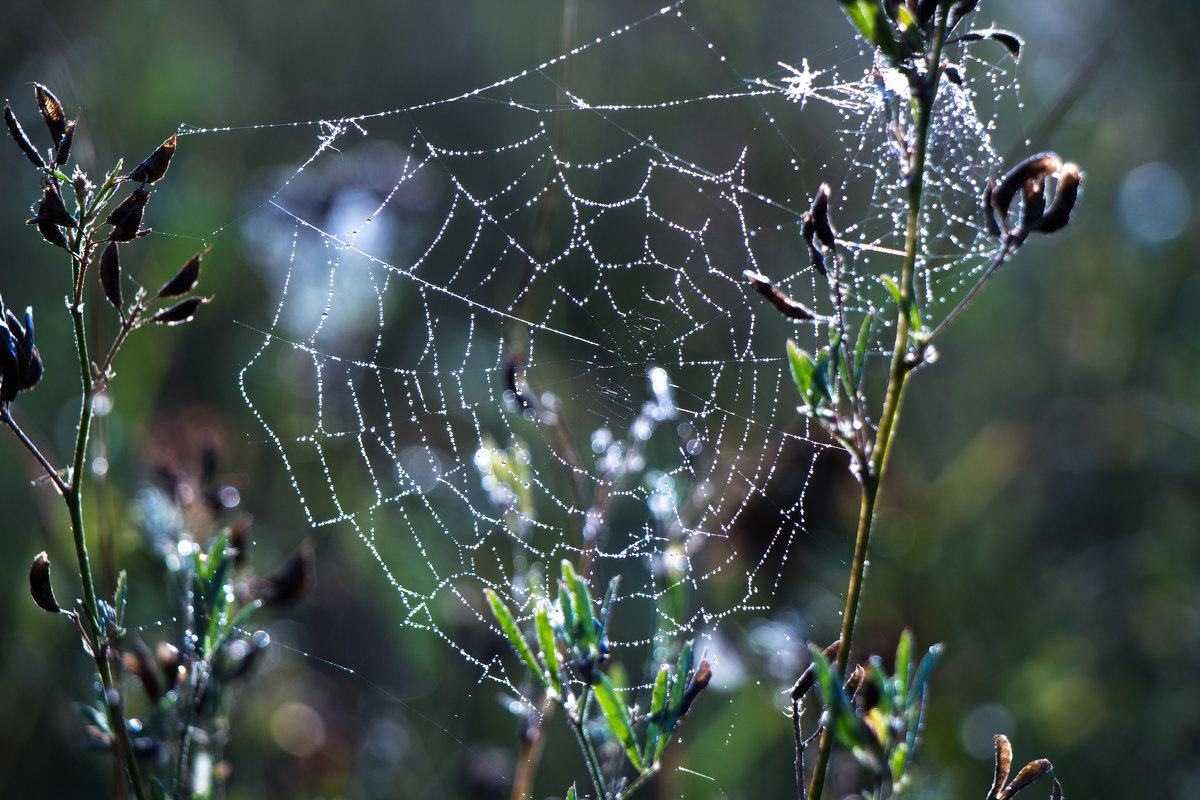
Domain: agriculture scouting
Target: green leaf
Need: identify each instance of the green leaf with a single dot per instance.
(509, 625)
(658, 711)
(914, 323)
(802, 370)
(549, 648)
(923, 669)
(883, 684)
(682, 667)
(119, 597)
(872, 23)
(571, 793)
(903, 665)
(910, 28)
(564, 605)
(846, 726)
(822, 378)
(581, 604)
(157, 790)
(860, 349)
(616, 714)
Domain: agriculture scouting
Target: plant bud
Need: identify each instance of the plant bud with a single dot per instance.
(110, 274)
(698, 683)
(180, 312)
(184, 280)
(126, 217)
(807, 229)
(18, 134)
(52, 112)
(39, 584)
(155, 167)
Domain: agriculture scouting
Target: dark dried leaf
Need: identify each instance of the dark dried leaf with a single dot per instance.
(989, 210)
(52, 112)
(63, 151)
(18, 134)
(39, 584)
(808, 230)
(21, 348)
(1066, 193)
(155, 167)
(10, 373)
(184, 280)
(1035, 203)
(180, 312)
(960, 10)
(126, 217)
(783, 304)
(854, 682)
(110, 274)
(291, 581)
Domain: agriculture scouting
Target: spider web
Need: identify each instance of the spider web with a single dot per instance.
(513, 326)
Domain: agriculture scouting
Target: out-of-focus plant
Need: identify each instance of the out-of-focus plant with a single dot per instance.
(909, 40)
(173, 750)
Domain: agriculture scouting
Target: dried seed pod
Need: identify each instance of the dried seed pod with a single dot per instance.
(20, 363)
(126, 217)
(783, 304)
(52, 112)
(822, 228)
(110, 274)
(808, 678)
(1037, 167)
(1035, 203)
(52, 209)
(1066, 193)
(1003, 765)
(291, 581)
(989, 210)
(39, 584)
(63, 151)
(153, 168)
(855, 681)
(18, 134)
(184, 280)
(808, 230)
(141, 663)
(180, 312)
(698, 683)
(1010, 41)
(52, 234)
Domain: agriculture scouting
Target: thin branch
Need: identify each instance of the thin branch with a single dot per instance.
(51, 472)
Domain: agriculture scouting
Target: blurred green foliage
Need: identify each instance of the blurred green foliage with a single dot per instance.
(1042, 516)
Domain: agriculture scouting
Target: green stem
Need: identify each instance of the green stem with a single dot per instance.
(901, 367)
(74, 502)
(585, 747)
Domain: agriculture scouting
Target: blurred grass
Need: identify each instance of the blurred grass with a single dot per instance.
(1042, 519)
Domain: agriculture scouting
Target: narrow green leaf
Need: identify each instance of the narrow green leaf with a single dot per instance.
(564, 605)
(548, 645)
(802, 370)
(903, 665)
(860, 349)
(682, 667)
(571, 793)
(658, 709)
(883, 684)
(871, 21)
(822, 378)
(119, 597)
(509, 625)
(846, 727)
(616, 714)
(923, 669)
(581, 604)
(894, 289)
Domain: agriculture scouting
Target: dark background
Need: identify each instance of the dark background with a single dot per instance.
(1041, 514)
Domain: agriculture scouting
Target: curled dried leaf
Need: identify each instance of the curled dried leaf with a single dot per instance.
(808, 230)
(155, 167)
(1035, 168)
(52, 111)
(855, 681)
(822, 228)
(18, 134)
(1028, 774)
(110, 274)
(1003, 765)
(698, 683)
(39, 584)
(126, 217)
(180, 312)
(1011, 42)
(783, 304)
(185, 279)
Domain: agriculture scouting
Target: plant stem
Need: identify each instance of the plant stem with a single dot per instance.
(51, 472)
(73, 499)
(589, 754)
(531, 752)
(871, 476)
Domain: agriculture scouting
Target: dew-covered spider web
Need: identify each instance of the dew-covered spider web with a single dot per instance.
(513, 326)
